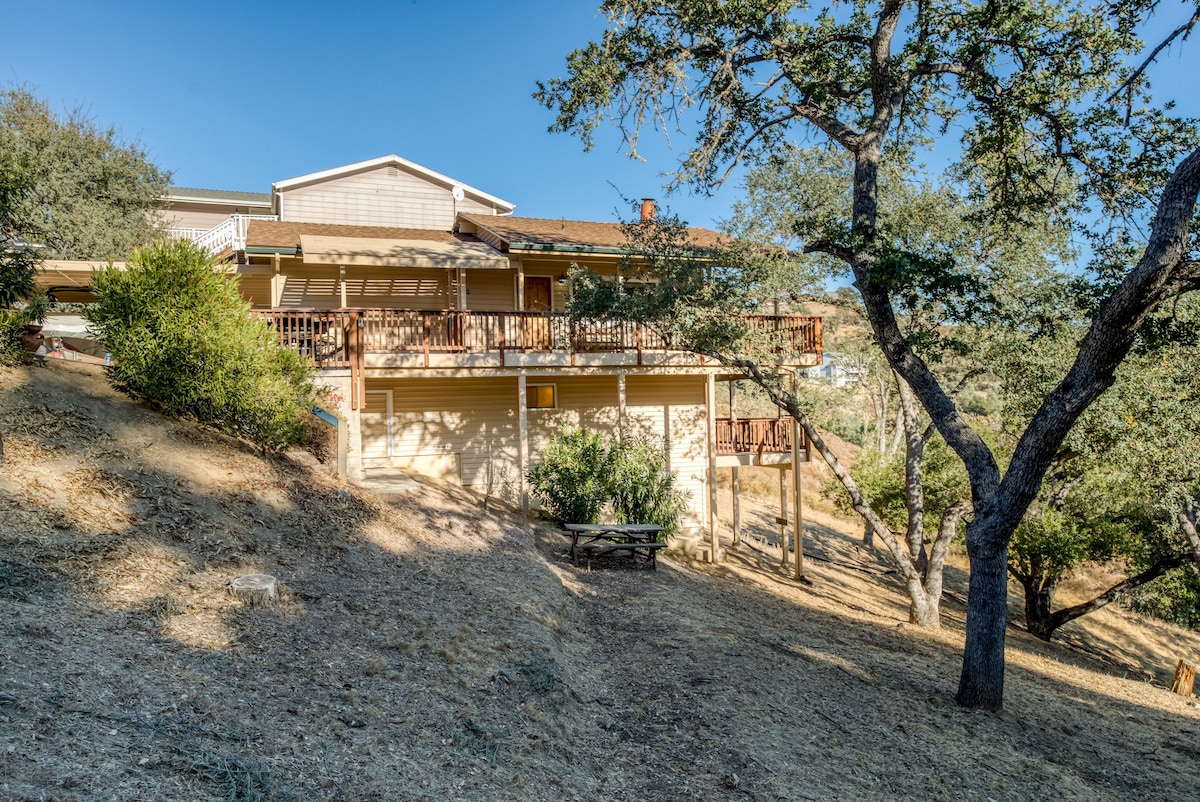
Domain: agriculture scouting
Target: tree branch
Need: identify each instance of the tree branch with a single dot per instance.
(1159, 274)
(1060, 617)
(1183, 30)
(833, 249)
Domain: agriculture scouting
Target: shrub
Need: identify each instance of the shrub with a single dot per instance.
(21, 304)
(581, 472)
(571, 478)
(1174, 597)
(641, 486)
(182, 339)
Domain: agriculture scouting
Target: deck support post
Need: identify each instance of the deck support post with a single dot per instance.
(736, 486)
(621, 402)
(710, 397)
(523, 440)
(798, 512)
(783, 519)
(276, 284)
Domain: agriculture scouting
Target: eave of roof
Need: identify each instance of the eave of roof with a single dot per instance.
(547, 235)
(397, 161)
(218, 196)
(283, 237)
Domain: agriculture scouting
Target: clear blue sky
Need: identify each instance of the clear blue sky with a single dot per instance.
(238, 95)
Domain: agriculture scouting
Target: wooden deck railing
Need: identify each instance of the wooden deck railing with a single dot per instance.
(329, 338)
(755, 435)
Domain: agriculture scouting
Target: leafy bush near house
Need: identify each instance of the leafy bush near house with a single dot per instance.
(182, 339)
(571, 480)
(641, 485)
(581, 472)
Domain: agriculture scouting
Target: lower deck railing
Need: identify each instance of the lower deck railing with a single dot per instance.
(755, 435)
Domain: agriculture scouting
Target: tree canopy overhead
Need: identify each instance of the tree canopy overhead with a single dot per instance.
(1043, 108)
(89, 195)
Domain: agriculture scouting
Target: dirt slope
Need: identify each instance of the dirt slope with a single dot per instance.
(425, 649)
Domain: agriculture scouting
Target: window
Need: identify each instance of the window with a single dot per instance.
(541, 396)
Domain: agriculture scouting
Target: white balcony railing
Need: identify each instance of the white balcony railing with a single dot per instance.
(227, 235)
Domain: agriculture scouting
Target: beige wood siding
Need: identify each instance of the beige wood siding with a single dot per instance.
(674, 406)
(310, 288)
(384, 196)
(587, 401)
(318, 287)
(403, 288)
(468, 426)
(473, 418)
(187, 214)
(491, 290)
(255, 288)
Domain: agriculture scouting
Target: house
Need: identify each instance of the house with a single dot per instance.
(836, 370)
(436, 317)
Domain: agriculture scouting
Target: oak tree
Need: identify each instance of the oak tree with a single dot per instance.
(1050, 101)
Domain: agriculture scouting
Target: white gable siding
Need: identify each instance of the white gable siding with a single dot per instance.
(384, 196)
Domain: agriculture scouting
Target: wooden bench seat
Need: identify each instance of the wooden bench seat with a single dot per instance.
(598, 548)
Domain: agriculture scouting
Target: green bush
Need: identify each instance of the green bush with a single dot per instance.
(641, 485)
(20, 301)
(182, 339)
(581, 472)
(571, 479)
(1174, 597)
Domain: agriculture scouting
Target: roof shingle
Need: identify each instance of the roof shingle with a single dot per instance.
(279, 234)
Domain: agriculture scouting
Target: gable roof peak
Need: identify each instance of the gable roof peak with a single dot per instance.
(392, 160)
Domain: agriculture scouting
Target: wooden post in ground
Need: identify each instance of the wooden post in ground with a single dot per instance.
(523, 440)
(798, 511)
(1185, 678)
(736, 487)
(783, 519)
(710, 399)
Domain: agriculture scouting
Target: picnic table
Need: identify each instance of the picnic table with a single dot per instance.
(593, 539)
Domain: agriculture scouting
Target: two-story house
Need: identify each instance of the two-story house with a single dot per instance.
(436, 317)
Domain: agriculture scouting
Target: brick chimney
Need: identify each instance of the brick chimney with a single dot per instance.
(647, 210)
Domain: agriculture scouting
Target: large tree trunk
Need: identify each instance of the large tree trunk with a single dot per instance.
(1187, 522)
(1039, 598)
(914, 487)
(981, 684)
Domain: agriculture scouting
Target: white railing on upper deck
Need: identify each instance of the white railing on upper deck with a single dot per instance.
(227, 235)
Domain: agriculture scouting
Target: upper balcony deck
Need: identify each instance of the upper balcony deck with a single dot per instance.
(421, 338)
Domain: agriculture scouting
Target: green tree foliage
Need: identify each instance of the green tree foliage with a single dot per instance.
(89, 195)
(1125, 472)
(1052, 119)
(20, 302)
(583, 471)
(182, 339)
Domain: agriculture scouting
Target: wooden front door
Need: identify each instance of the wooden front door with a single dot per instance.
(537, 326)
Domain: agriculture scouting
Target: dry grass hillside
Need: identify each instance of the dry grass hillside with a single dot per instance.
(424, 649)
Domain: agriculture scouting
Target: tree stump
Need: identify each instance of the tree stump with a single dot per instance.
(254, 589)
(1185, 677)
